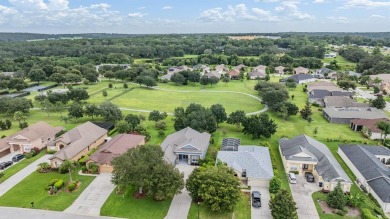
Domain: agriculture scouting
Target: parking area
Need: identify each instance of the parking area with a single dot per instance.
(301, 193)
(7, 157)
(263, 212)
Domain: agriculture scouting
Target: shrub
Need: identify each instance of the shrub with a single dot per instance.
(373, 199)
(274, 185)
(366, 214)
(94, 168)
(53, 181)
(340, 212)
(23, 125)
(84, 169)
(336, 198)
(50, 151)
(28, 156)
(1, 175)
(72, 186)
(354, 200)
(59, 184)
(295, 172)
(315, 104)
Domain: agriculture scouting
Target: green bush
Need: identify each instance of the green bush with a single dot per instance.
(84, 169)
(374, 200)
(59, 184)
(1, 175)
(366, 214)
(72, 186)
(28, 156)
(295, 172)
(274, 185)
(50, 151)
(94, 168)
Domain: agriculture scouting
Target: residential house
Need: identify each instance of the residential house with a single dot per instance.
(279, 70)
(300, 78)
(385, 81)
(186, 145)
(256, 74)
(345, 115)
(239, 67)
(261, 68)
(216, 74)
(368, 127)
(8, 74)
(304, 154)
(301, 70)
(75, 143)
(317, 96)
(173, 70)
(115, 147)
(252, 164)
(201, 68)
(234, 74)
(352, 73)
(331, 55)
(324, 73)
(34, 136)
(323, 85)
(221, 68)
(369, 163)
(342, 101)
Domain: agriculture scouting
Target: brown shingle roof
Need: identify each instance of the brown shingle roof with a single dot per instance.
(115, 147)
(369, 123)
(78, 139)
(234, 73)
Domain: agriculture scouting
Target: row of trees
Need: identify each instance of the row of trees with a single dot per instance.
(107, 110)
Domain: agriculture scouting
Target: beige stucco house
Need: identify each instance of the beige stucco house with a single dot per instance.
(36, 135)
(304, 154)
(114, 148)
(75, 143)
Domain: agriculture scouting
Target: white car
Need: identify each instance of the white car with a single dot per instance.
(292, 178)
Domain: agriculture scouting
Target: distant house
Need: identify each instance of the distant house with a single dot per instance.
(300, 78)
(352, 73)
(279, 70)
(234, 74)
(324, 73)
(318, 96)
(369, 163)
(256, 74)
(252, 164)
(8, 74)
(202, 68)
(323, 85)
(75, 143)
(36, 135)
(221, 68)
(345, 115)
(385, 81)
(368, 127)
(304, 154)
(173, 70)
(331, 55)
(114, 148)
(186, 145)
(214, 74)
(301, 70)
(342, 101)
(261, 68)
(239, 67)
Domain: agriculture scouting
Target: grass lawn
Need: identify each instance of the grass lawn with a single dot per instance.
(242, 210)
(126, 206)
(342, 62)
(16, 167)
(32, 189)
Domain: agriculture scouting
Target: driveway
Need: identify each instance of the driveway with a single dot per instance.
(7, 157)
(19, 176)
(181, 203)
(366, 95)
(302, 192)
(7, 212)
(263, 212)
(93, 197)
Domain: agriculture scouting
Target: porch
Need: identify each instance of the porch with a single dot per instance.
(189, 159)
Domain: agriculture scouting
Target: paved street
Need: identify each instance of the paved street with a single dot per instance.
(93, 197)
(23, 213)
(367, 96)
(301, 193)
(263, 212)
(181, 203)
(19, 176)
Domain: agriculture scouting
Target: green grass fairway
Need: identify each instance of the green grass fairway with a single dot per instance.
(16, 167)
(242, 210)
(32, 189)
(342, 62)
(126, 206)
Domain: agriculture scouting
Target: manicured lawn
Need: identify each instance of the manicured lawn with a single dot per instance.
(16, 167)
(126, 206)
(342, 62)
(242, 210)
(32, 189)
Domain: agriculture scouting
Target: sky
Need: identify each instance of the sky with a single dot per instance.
(193, 16)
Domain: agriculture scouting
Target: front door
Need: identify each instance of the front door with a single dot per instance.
(183, 157)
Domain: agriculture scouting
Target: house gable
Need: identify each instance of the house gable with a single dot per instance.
(19, 137)
(302, 155)
(189, 147)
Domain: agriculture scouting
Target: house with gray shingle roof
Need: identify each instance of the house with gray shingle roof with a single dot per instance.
(304, 154)
(344, 115)
(369, 163)
(186, 145)
(76, 143)
(251, 163)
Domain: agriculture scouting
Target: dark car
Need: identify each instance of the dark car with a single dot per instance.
(17, 157)
(256, 199)
(309, 177)
(4, 165)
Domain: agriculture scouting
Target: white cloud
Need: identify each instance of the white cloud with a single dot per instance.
(366, 4)
(291, 9)
(58, 4)
(137, 15)
(141, 8)
(238, 12)
(319, 1)
(377, 16)
(29, 4)
(266, 0)
(338, 20)
(167, 7)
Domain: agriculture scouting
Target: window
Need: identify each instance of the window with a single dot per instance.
(305, 166)
(194, 159)
(243, 174)
(88, 148)
(293, 167)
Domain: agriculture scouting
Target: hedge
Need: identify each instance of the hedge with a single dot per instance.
(59, 184)
(366, 214)
(53, 181)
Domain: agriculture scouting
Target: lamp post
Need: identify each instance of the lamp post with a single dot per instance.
(198, 209)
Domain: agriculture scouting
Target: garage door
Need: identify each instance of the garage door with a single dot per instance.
(6, 152)
(258, 182)
(105, 168)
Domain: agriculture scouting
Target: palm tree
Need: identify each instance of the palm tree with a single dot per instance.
(385, 128)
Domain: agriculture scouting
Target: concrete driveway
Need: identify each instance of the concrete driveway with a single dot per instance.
(181, 203)
(301, 193)
(19, 176)
(93, 197)
(7, 157)
(263, 212)
(366, 95)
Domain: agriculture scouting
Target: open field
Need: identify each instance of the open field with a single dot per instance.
(344, 64)
(126, 206)
(32, 189)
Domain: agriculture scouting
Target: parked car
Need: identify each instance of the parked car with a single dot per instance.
(4, 165)
(256, 199)
(17, 157)
(292, 178)
(309, 177)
